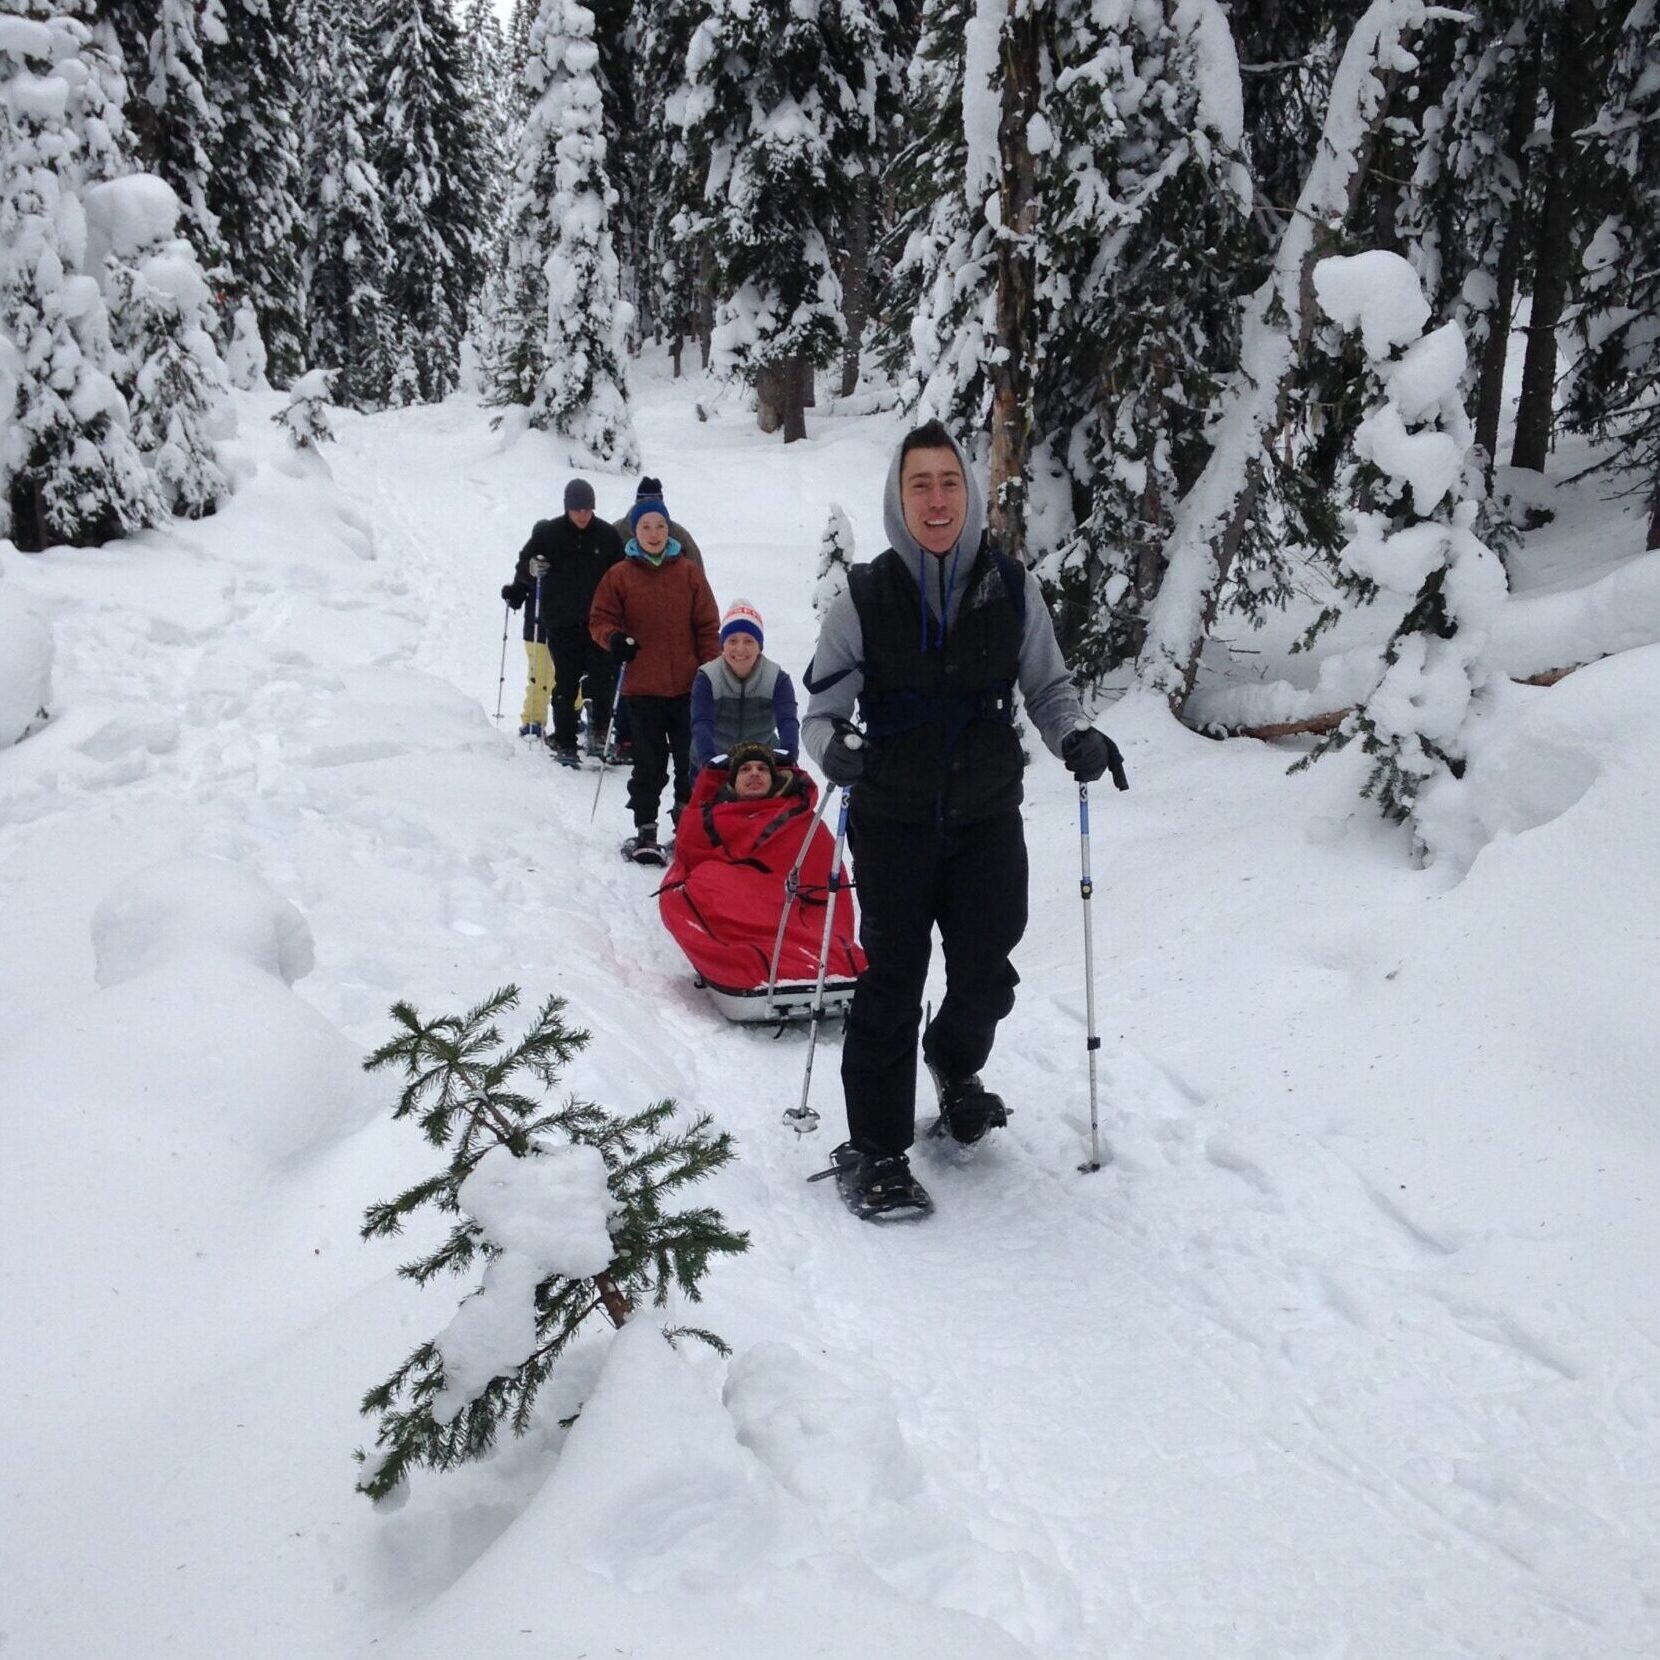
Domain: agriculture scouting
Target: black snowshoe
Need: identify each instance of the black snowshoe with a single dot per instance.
(967, 1109)
(565, 754)
(644, 848)
(877, 1187)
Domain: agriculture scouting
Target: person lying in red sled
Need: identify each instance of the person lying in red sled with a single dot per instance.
(738, 840)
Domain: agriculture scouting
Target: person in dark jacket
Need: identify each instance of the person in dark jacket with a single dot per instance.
(655, 614)
(569, 555)
(931, 641)
(742, 696)
(651, 489)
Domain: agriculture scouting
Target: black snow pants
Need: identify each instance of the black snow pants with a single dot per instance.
(579, 663)
(969, 882)
(662, 728)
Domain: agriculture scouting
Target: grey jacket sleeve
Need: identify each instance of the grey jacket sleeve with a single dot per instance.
(836, 674)
(1046, 687)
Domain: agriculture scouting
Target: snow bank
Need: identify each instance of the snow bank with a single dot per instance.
(25, 669)
(189, 906)
(1589, 746)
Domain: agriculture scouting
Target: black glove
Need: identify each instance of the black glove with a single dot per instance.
(1088, 753)
(844, 756)
(624, 647)
(514, 595)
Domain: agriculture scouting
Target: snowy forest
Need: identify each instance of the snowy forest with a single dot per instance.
(1083, 234)
(368, 1124)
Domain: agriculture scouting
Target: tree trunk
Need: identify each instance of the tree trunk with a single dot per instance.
(856, 284)
(1495, 348)
(806, 384)
(797, 380)
(1654, 519)
(706, 304)
(1021, 57)
(1556, 250)
(675, 349)
(770, 396)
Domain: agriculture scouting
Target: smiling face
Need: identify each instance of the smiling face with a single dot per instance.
(652, 533)
(752, 779)
(742, 652)
(934, 495)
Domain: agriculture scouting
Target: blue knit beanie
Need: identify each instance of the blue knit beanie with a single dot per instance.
(638, 511)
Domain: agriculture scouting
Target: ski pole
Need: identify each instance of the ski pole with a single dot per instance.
(803, 1119)
(501, 683)
(604, 767)
(1086, 888)
(536, 640)
(792, 883)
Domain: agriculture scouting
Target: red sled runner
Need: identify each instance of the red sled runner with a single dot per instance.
(750, 928)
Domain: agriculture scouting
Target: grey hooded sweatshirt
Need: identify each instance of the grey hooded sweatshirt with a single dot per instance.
(1046, 688)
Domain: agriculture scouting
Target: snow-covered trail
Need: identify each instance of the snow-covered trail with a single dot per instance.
(1080, 1365)
(1347, 1354)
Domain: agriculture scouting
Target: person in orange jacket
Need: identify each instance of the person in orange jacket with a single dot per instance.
(656, 615)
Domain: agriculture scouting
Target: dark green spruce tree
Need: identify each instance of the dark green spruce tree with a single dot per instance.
(474, 1093)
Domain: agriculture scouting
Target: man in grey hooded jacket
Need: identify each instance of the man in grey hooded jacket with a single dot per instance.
(929, 644)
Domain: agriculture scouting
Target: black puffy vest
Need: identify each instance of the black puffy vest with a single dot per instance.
(939, 715)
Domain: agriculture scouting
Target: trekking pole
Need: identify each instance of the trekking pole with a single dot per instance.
(792, 884)
(610, 739)
(1086, 887)
(501, 683)
(803, 1119)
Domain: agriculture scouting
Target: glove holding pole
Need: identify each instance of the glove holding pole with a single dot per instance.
(1087, 754)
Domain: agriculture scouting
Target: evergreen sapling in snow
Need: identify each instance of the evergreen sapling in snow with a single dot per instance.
(835, 560)
(1413, 537)
(561, 1208)
(305, 417)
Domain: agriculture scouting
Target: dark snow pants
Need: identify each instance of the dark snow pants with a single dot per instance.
(971, 884)
(580, 664)
(662, 728)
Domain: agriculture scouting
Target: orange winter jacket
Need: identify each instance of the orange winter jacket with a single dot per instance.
(670, 609)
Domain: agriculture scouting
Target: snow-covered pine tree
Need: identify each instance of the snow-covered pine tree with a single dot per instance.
(256, 187)
(938, 304)
(1146, 230)
(430, 156)
(305, 417)
(167, 364)
(835, 560)
(672, 119)
(561, 335)
(1417, 484)
(69, 470)
(179, 127)
(564, 1209)
(350, 325)
(781, 102)
(1466, 208)
(1616, 390)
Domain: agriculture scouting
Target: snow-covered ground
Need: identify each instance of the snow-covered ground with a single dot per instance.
(1351, 1354)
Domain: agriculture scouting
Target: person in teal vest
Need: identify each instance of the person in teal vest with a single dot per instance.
(742, 696)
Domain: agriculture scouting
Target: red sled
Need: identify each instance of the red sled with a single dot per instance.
(727, 901)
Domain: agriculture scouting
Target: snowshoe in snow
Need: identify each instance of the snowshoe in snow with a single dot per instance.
(967, 1108)
(531, 729)
(877, 1187)
(644, 848)
(565, 754)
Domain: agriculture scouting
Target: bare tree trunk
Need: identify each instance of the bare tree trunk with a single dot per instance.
(1495, 348)
(705, 304)
(1654, 519)
(856, 283)
(1556, 251)
(806, 385)
(675, 349)
(1278, 322)
(771, 396)
(1021, 56)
